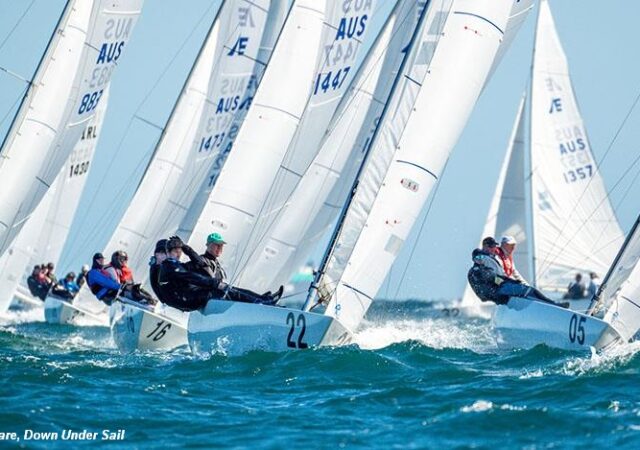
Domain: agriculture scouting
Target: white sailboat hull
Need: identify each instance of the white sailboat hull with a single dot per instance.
(135, 328)
(236, 328)
(62, 312)
(524, 323)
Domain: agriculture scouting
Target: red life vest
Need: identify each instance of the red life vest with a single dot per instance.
(507, 262)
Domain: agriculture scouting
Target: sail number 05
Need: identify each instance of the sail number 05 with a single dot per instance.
(301, 323)
(576, 329)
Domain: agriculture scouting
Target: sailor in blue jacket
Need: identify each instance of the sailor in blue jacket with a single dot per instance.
(100, 282)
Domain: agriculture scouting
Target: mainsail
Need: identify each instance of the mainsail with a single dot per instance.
(202, 126)
(295, 230)
(574, 226)
(69, 84)
(312, 64)
(43, 237)
(422, 120)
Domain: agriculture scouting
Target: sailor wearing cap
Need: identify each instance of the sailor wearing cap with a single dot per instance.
(505, 255)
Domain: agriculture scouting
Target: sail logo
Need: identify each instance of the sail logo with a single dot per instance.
(543, 201)
(239, 47)
(572, 146)
(556, 105)
(409, 184)
(232, 104)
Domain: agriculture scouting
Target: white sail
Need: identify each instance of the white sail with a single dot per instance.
(200, 130)
(449, 66)
(346, 26)
(68, 86)
(507, 213)
(43, 237)
(288, 242)
(575, 228)
(241, 189)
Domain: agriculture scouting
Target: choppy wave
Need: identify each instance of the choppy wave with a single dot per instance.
(411, 379)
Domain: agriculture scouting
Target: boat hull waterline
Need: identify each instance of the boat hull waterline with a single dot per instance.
(524, 323)
(235, 328)
(134, 327)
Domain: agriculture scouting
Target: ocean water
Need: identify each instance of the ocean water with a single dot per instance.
(414, 380)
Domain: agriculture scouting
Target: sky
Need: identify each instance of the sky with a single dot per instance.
(601, 44)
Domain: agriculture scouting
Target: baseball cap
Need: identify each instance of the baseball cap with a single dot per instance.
(215, 238)
(98, 256)
(489, 242)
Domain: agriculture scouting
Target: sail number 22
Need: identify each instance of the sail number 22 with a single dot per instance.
(301, 323)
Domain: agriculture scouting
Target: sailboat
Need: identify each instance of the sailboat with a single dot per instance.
(563, 217)
(43, 237)
(403, 161)
(57, 122)
(69, 83)
(198, 137)
(550, 195)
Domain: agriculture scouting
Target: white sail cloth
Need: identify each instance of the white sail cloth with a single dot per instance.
(423, 121)
(295, 230)
(574, 225)
(68, 86)
(201, 128)
(43, 237)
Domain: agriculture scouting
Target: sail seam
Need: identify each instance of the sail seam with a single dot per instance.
(357, 291)
(233, 207)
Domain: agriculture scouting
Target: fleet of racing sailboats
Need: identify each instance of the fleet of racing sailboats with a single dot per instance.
(360, 139)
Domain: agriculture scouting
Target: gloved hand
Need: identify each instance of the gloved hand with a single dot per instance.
(223, 286)
(497, 280)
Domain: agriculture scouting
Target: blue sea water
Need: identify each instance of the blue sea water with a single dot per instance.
(412, 381)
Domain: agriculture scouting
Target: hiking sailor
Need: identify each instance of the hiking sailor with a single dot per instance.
(67, 287)
(489, 281)
(212, 266)
(576, 289)
(159, 255)
(38, 283)
(187, 289)
(593, 287)
(102, 285)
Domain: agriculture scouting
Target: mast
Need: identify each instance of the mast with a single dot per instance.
(529, 166)
(338, 228)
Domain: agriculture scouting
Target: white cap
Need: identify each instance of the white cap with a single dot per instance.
(508, 240)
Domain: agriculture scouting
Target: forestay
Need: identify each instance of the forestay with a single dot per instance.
(202, 126)
(43, 237)
(68, 85)
(446, 70)
(507, 213)
(307, 213)
(575, 228)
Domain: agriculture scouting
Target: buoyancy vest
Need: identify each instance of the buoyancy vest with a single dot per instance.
(507, 262)
(96, 288)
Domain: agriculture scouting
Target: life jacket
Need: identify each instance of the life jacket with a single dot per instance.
(96, 288)
(507, 262)
(125, 274)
